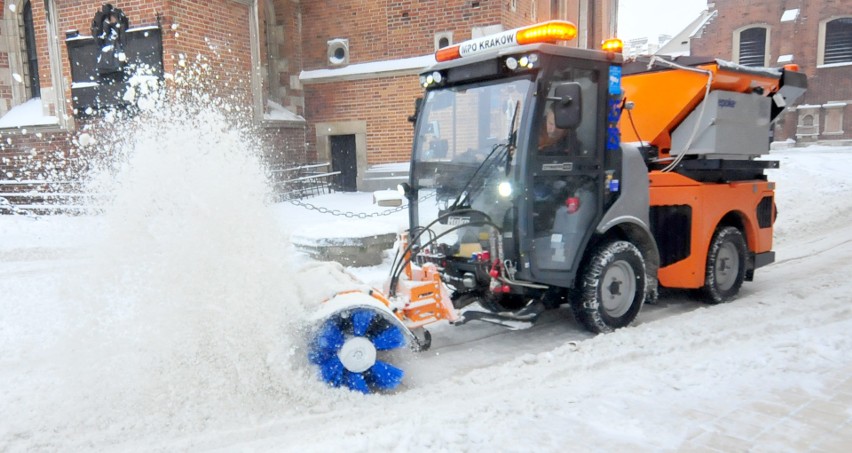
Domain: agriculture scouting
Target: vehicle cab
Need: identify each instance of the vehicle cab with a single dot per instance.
(516, 155)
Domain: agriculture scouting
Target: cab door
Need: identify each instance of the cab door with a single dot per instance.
(565, 178)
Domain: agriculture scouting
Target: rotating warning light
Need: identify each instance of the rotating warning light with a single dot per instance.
(613, 45)
(552, 31)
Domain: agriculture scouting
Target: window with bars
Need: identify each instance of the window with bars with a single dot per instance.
(30, 53)
(752, 49)
(838, 41)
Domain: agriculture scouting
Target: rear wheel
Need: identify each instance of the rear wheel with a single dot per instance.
(612, 287)
(726, 266)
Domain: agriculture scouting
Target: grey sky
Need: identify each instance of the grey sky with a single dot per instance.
(649, 18)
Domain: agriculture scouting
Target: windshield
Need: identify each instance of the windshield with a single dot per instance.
(462, 153)
(462, 124)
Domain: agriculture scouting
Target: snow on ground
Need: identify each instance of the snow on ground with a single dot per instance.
(171, 325)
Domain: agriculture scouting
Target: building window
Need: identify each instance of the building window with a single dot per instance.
(750, 46)
(835, 42)
(31, 55)
(443, 39)
(273, 75)
(34, 93)
(534, 10)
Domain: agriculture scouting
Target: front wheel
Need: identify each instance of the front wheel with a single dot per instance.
(612, 287)
(726, 266)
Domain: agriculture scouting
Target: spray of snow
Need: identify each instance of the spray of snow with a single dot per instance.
(186, 314)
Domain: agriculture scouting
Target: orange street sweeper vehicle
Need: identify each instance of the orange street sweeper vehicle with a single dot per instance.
(544, 175)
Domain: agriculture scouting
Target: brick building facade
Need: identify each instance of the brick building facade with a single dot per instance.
(370, 95)
(38, 121)
(814, 34)
(311, 72)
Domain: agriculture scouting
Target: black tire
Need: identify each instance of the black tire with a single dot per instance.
(726, 266)
(611, 287)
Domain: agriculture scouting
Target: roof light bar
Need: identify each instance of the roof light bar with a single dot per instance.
(551, 31)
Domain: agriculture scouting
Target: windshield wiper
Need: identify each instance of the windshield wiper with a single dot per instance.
(499, 151)
(474, 183)
(512, 140)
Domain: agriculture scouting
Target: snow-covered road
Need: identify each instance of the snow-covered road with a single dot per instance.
(768, 372)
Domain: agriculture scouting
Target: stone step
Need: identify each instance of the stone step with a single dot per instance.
(384, 176)
(357, 245)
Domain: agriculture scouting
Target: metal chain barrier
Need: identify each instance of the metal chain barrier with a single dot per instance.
(350, 215)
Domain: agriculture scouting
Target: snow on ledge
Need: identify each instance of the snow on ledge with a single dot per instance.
(343, 232)
(27, 114)
(278, 112)
(390, 167)
(790, 15)
(385, 68)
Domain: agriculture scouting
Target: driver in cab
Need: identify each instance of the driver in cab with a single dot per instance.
(553, 141)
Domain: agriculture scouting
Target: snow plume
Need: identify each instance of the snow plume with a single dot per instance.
(187, 315)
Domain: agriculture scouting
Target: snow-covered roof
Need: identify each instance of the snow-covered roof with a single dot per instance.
(384, 68)
(679, 44)
(705, 17)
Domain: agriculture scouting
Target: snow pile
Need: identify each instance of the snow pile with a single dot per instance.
(29, 113)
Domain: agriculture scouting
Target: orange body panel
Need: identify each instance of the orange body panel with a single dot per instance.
(663, 99)
(427, 300)
(710, 202)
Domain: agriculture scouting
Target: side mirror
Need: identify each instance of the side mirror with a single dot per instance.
(568, 105)
(417, 103)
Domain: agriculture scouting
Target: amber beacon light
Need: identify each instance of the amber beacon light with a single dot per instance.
(613, 45)
(555, 30)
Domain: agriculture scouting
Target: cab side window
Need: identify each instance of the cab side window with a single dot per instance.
(575, 142)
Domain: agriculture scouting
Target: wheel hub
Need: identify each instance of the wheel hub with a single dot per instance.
(357, 354)
(618, 289)
(727, 267)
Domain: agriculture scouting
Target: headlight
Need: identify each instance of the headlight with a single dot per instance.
(505, 189)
